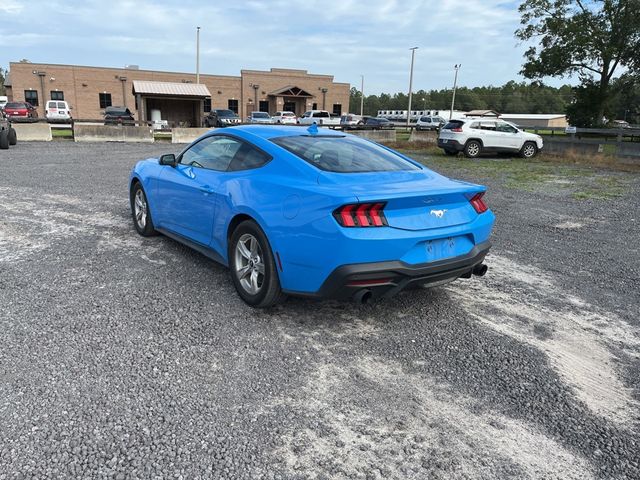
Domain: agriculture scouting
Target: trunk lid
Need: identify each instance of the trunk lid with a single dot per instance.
(415, 200)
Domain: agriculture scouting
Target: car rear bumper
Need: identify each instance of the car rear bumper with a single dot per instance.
(385, 279)
(450, 144)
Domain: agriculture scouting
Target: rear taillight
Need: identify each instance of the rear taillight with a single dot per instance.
(457, 130)
(478, 203)
(361, 215)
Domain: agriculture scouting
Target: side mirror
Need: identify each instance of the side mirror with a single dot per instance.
(168, 159)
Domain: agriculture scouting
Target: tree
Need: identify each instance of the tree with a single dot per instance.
(2, 76)
(590, 38)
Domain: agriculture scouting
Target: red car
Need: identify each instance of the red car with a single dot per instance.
(17, 111)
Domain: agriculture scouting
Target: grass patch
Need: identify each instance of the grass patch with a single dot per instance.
(61, 133)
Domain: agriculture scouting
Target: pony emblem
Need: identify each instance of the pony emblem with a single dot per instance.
(438, 213)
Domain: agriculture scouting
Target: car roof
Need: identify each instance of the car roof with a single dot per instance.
(272, 131)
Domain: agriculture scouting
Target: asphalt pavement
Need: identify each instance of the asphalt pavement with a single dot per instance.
(125, 357)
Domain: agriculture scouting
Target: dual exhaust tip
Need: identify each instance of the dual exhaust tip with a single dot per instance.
(365, 295)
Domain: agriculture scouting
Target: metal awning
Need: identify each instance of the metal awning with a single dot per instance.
(170, 89)
(290, 91)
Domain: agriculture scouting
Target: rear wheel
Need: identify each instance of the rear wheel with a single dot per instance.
(252, 266)
(4, 139)
(529, 150)
(472, 149)
(140, 211)
(13, 136)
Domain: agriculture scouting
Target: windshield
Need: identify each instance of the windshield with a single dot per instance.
(225, 113)
(344, 154)
(260, 115)
(15, 105)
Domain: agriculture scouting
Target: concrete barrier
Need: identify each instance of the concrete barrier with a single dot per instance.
(375, 135)
(561, 147)
(629, 149)
(187, 135)
(112, 133)
(424, 136)
(36, 132)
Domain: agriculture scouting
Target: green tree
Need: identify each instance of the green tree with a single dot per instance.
(2, 76)
(589, 38)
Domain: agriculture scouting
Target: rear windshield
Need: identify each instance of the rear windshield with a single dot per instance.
(116, 111)
(288, 114)
(344, 154)
(453, 124)
(15, 105)
(260, 115)
(225, 113)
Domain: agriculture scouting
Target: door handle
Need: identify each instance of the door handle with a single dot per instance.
(206, 189)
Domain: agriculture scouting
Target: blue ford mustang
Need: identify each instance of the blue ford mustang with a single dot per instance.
(309, 212)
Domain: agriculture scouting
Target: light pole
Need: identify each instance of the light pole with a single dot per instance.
(255, 95)
(324, 91)
(362, 96)
(41, 75)
(197, 54)
(413, 53)
(455, 84)
(124, 90)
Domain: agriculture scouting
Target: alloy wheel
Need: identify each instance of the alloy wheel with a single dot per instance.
(140, 209)
(249, 264)
(529, 150)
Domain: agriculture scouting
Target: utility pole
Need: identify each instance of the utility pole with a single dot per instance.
(455, 84)
(197, 54)
(413, 53)
(362, 96)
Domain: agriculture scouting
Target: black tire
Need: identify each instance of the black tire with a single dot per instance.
(143, 222)
(529, 150)
(4, 139)
(13, 136)
(451, 153)
(269, 292)
(472, 149)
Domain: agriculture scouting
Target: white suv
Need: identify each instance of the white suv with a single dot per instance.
(474, 136)
(285, 118)
(428, 122)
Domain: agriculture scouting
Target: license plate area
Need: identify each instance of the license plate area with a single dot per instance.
(440, 248)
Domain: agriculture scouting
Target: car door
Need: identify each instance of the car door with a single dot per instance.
(487, 132)
(187, 192)
(509, 137)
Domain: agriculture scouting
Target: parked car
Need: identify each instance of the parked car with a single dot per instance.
(21, 112)
(3, 101)
(294, 212)
(285, 118)
(8, 134)
(320, 117)
(428, 122)
(221, 118)
(57, 111)
(377, 123)
(475, 136)
(259, 117)
(619, 124)
(118, 116)
(350, 120)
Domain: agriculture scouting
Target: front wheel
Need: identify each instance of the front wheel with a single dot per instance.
(529, 150)
(472, 149)
(13, 136)
(141, 212)
(4, 139)
(253, 269)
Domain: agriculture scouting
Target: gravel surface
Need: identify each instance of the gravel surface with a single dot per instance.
(124, 357)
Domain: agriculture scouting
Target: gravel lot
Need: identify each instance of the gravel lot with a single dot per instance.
(123, 357)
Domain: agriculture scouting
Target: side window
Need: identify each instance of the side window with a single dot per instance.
(505, 127)
(487, 125)
(248, 157)
(475, 125)
(213, 153)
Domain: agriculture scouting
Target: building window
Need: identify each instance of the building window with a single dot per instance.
(57, 95)
(207, 104)
(31, 96)
(233, 106)
(105, 100)
(314, 106)
(337, 109)
(264, 106)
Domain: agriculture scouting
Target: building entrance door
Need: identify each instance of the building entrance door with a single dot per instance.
(289, 107)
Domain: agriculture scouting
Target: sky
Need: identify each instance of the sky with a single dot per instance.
(345, 38)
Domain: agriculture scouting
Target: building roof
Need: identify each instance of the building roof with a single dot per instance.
(172, 89)
(533, 116)
(482, 113)
(291, 91)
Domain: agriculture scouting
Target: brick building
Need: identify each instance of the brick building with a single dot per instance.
(172, 95)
